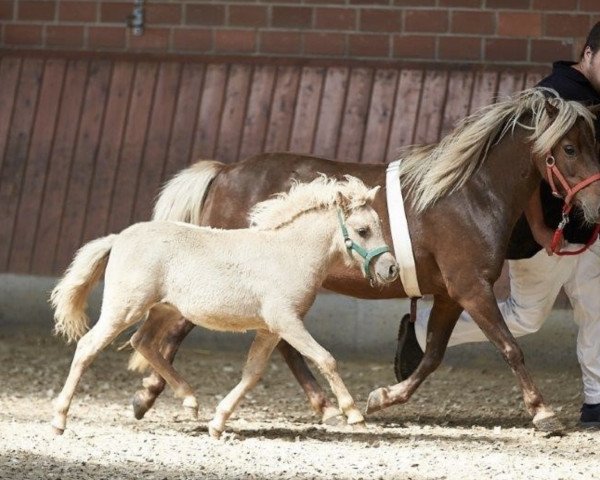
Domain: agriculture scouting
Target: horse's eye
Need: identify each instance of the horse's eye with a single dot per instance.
(363, 232)
(569, 150)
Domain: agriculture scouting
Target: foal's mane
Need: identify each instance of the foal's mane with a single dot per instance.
(321, 193)
(433, 171)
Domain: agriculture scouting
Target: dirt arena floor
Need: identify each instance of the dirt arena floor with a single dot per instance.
(467, 421)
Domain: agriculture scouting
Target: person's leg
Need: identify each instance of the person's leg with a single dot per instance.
(583, 290)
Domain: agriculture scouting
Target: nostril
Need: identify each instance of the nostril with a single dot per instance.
(393, 270)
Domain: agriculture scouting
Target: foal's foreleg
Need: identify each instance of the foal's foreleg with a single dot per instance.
(317, 397)
(443, 317)
(258, 356)
(292, 330)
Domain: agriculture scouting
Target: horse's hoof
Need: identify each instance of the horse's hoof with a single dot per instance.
(359, 426)
(376, 401)
(214, 432)
(548, 423)
(338, 420)
(192, 412)
(141, 403)
(57, 431)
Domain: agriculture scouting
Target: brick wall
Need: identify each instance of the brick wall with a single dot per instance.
(455, 31)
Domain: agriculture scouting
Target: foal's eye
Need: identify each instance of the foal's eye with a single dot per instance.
(363, 232)
(569, 150)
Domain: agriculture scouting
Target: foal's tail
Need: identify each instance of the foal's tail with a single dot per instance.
(69, 297)
(182, 197)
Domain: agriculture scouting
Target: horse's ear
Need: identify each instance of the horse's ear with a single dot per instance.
(343, 202)
(371, 193)
(595, 109)
(551, 110)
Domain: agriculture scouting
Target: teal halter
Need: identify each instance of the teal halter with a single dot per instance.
(368, 255)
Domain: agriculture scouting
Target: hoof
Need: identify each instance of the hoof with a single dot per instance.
(192, 412)
(377, 401)
(213, 431)
(548, 423)
(359, 427)
(142, 402)
(57, 431)
(338, 420)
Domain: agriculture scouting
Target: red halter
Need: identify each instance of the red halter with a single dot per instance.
(551, 172)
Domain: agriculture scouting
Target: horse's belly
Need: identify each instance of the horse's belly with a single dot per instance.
(227, 323)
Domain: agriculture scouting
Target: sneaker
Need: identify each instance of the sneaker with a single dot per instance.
(408, 351)
(590, 415)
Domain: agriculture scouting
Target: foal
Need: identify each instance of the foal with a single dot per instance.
(264, 278)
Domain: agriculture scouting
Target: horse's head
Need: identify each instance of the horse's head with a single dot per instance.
(571, 165)
(362, 237)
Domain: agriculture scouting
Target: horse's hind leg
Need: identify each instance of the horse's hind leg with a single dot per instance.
(144, 345)
(443, 317)
(258, 356)
(108, 327)
(154, 384)
(316, 395)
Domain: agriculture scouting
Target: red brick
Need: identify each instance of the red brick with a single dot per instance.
(415, 3)
(549, 5)
(6, 10)
(77, 12)
(325, 43)
(163, 14)
(235, 41)
(152, 39)
(589, 5)
(508, 4)
(291, 17)
(462, 3)
(199, 40)
(115, 12)
(459, 48)
(36, 10)
(414, 46)
(22, 34)
(335, 18)
(320, 2)
(64, 36)
(426, 21)
(563, 25)
(280, 42)
(380, 20)
(549, 51)
(467, 21)
(248, 15)
(369, 2)
(506, 49)
(106, 37)
(364, 45)
(519, 24)
(205, 14)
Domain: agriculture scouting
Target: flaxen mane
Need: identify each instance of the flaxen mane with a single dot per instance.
(433, 171)
(303, 197)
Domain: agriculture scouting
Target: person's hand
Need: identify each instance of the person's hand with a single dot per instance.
(543, 236)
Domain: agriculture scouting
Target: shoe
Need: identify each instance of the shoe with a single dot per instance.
(408, 351)
(590, 415)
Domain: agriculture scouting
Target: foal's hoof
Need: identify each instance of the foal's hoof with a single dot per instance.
(338, 420)
(377, 400)
(359, 427)
(142, 402)
(548, 423)
(57, 431)
(192, 412)
(213, 431)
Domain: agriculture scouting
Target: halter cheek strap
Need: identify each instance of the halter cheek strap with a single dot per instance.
(367, 255)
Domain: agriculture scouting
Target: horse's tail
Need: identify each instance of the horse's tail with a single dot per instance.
(69, 297)
(182, 197)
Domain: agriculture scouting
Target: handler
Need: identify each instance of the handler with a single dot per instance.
(536, 276)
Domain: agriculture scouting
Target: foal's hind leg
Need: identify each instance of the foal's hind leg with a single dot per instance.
(102, 334)
(258, 356)
(144, 345)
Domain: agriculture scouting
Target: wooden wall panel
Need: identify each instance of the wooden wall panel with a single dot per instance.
(86, 144)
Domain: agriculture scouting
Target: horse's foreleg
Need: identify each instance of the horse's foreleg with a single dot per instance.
(154, 384)
(298, 337)
(443, 317)
(258, 356)
(144, 345)
(317, 397)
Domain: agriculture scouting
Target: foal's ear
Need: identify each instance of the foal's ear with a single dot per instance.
(551, 110)
(371, 193)
(343, 202)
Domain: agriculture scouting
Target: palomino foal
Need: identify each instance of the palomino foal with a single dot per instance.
(263, 278)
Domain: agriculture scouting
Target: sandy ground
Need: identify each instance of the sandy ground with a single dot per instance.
(466, 421)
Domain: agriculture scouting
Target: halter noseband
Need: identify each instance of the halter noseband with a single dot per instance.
(368, 255)
(551, 172)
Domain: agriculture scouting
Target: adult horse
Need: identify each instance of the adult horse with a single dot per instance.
(463, 197)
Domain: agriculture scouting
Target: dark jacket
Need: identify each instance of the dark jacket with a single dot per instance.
(570, 85)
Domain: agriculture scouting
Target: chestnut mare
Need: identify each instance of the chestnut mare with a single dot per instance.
(463, 197)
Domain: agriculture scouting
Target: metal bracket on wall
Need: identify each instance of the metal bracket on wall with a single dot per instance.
(135, 21)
